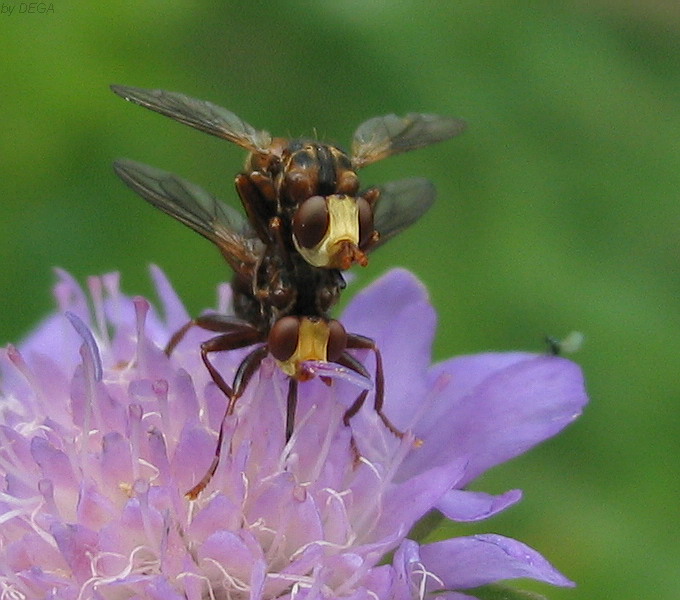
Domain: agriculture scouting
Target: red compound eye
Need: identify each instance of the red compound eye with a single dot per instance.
(283, 338)
(311, 220)
(365, 221)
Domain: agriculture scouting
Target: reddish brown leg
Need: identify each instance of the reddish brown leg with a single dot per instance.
(234, 334)
(177, 337)
(243, 375)
(372, 196)
(211, 322)
(193, 493)
(277, 236)
(347, 360)
(349, 413)
(291, 405)
(254, 203)
(355, 408)
(357, 341)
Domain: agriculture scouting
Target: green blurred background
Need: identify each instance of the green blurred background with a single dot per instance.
(557, 210)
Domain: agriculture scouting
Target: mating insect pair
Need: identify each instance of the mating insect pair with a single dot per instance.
(306, 221)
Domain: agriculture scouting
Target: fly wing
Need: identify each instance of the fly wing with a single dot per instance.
(197, 209)
(400, 204)
(381, 137)
(203, 115)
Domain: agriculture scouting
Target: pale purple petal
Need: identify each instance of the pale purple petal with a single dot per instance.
(403, 329)
(413, 498)
(89, 342)
(467, 506)
(76, 544)
(469, 562)
(173, 308)
(70, 296)
(233, 554)
(497, 407)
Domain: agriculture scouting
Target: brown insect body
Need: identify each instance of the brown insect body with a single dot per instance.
(280, 175)
(303, 168)
(279, 185)
(306, 220)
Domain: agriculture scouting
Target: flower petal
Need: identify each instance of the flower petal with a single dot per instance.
(396, 313)
(466, 506)
(228, 553)
(407, 502)
(496, 406)
(77, 545)
(173, 309)
(468, 562)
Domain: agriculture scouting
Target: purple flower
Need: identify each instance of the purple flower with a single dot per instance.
(102, 435)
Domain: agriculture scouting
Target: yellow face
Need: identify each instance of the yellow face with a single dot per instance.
(312, 345)
(340, 244)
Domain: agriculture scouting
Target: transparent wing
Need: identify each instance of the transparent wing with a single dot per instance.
(200, 114)
(401, 203)
(196, 208)
(381, 137)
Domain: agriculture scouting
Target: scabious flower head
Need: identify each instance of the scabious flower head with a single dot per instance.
(102, 435)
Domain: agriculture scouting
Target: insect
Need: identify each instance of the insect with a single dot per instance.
(571, 343)
(305, 221)
(303, 195)
(293, 332)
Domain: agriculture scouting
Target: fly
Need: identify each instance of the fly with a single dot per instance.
(304, 194)
(305, 221)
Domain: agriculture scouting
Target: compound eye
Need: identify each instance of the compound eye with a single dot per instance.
(337, 340)
(283, 338)
(365, 221)
(311, 221)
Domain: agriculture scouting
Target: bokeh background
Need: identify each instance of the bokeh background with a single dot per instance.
(557, 210)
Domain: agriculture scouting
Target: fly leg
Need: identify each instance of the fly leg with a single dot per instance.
(234, 333)
(216, 322)
(244, 374)
(245, 371)
(258, 198)
(260, 201)
(291, 405)
(351, 363)
(357, 341)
